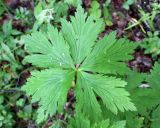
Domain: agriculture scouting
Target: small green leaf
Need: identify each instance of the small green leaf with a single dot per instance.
(7, 28)
(95, 11)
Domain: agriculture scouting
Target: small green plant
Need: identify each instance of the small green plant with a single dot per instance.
(8, 45)
(52, 11)
(6, 117)
(127, 3)
(75, 58)
(22, 14)
(106, 11)
(3, 8)
(147, 18)
(95, 11)
(151, 44)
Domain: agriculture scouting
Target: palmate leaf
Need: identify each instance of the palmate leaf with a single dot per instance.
(60, 53)
(109, 89)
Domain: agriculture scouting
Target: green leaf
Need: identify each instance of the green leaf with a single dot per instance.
(86, 98)
(156, 118)
(48, 52)
(79, 121)
(135, 79)
(119, 124)
(61, 10)
(1, 99)
(150, 98)
(150, 95)
(6, 54)
(129, 2)
(1, 9)
(133, 120)
(95, 11)
(50, 88)
(106, 124)
(102, 124)
(153, 79)
(81, 34)
(109, 55)
(7, 28)
(126, 6)
(38, 10)
(73, 2)
(151, 44)
(109, 89)
(107, 14)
